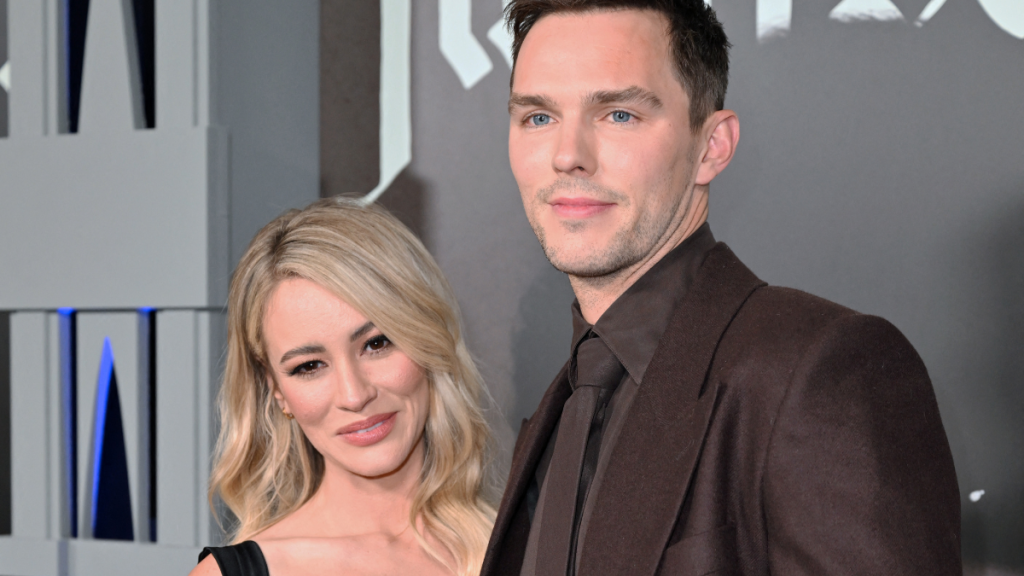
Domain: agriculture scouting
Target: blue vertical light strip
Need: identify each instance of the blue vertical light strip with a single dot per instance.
(111, 509)
(67, 328)
(103, 384)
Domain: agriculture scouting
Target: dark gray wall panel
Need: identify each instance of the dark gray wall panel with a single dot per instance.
(265, 79)
(349, 100)
(879, 166)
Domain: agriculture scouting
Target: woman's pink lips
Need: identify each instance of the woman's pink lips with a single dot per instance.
(358, 433)
(578, 207)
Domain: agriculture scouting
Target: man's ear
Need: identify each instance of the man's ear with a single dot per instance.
(721, 134)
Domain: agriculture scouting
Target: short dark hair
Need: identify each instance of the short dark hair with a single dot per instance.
(698, 41)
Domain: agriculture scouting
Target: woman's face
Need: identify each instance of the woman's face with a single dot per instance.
(358, 398)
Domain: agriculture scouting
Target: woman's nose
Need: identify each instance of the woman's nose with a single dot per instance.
(353, 390)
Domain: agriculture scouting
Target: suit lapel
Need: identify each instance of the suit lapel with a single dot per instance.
(654, 457)
(529, 448)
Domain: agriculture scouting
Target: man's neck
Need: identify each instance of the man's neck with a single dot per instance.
(597, 294)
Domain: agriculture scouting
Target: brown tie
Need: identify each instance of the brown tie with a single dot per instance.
(595, 374)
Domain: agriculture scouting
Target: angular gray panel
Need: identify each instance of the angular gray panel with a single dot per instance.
(30, 426)
(179, 493)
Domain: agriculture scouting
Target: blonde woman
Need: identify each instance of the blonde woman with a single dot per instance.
(352, 438)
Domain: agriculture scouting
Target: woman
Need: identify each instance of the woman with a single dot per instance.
(352, 438)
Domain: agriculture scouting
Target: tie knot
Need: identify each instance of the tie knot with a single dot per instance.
(595, 365)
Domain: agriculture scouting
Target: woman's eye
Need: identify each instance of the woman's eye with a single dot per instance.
(620, 116)
(306, 368)
(540, 120)
(377, 343)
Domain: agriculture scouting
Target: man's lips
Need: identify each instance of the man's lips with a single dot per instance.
(578, 207)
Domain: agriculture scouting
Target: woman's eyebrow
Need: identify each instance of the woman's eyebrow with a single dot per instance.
(360, 331)
(318, 348)
(301, 351)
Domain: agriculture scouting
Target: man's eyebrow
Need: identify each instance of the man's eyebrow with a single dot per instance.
(302, 351)
(631, 95)
(529, 100)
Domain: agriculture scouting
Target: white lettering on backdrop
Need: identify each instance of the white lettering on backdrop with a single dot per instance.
(469, 60)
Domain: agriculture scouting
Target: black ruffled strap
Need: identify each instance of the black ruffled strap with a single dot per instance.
(245, 559)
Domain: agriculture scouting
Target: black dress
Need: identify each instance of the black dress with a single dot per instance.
(245, 559)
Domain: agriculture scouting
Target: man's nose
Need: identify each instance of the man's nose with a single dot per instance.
(575, 154)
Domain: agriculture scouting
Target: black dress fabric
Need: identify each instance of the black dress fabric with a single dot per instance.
(245, 559)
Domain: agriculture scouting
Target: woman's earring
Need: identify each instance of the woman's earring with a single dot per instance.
(287, 414)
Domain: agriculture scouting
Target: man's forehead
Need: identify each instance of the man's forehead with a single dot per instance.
(603, 50)
(587, 16)
(622, 24)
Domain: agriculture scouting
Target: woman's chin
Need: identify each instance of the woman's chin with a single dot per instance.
(383, 465)
(375, 471)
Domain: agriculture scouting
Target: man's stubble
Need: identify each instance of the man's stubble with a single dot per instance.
(629, 245)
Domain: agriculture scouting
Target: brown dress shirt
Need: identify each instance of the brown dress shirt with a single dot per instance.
(631, 328)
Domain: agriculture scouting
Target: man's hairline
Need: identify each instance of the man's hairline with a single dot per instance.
(676, 72)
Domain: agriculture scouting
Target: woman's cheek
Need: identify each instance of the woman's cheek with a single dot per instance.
(309, 404)
(403, 377)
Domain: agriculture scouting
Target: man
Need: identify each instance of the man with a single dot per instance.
(705, 422)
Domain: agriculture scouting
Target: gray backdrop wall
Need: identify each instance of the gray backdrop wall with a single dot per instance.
(879, 166)
(121, 238)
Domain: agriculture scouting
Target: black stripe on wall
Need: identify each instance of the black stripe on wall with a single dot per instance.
(143, 12)
(5, 423)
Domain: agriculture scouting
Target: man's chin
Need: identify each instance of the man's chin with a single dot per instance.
(592, 265)
(586, 255)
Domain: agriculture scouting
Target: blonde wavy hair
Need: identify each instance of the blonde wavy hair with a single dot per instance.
(265, 467)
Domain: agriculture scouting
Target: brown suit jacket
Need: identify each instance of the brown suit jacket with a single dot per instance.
(774, 433)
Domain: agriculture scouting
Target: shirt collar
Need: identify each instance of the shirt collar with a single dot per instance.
(632, 326)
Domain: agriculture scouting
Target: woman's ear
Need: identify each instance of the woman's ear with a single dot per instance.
(721, 134)
(275, 390)
(282, 404)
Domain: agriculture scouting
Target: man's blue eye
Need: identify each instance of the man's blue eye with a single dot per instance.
(540, 119)
(620, 116)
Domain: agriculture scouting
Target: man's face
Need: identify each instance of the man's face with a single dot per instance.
(599, 139)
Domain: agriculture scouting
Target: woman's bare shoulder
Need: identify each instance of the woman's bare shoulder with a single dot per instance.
(208, 567)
